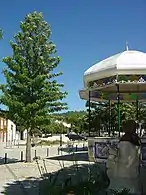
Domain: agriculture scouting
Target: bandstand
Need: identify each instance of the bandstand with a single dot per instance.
(119, 78)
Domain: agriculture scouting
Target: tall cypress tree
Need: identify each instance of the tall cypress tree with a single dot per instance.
(31, 91)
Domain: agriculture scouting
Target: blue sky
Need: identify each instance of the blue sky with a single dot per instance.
(84, 32)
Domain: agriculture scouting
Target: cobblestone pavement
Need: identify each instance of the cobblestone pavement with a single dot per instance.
(16, 176)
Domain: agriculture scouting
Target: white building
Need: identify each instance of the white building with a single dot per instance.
(63, 123)
(24, 136)
(7, 130)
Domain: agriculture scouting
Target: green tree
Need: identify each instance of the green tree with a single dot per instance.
(105, 115)
(32, 91)
(57, 128)
(75, 119)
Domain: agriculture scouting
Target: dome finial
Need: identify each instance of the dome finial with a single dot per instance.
(127, 48)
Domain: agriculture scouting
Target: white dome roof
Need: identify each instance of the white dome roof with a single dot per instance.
(125, 63)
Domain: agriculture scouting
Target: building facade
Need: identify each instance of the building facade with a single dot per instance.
(7, 130)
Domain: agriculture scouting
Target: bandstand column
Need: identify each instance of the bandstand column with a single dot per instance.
(137, 106)
(89, 104)
(109, 118)
(118, 109)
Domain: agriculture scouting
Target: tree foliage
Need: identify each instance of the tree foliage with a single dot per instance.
(75, 119)
(55, 128)
(103, 117)
(32, 91)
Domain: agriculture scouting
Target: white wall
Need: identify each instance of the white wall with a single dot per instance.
(25, 134)
(11, 131)
(17, 135)
(56, 138)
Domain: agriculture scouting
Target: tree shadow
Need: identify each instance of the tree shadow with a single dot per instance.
(80, 156)
(73, 149)
(30, 186)
(8, 160)
(76, 177)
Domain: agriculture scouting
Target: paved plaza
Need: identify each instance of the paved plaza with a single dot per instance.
(11, 173)
(20, 177)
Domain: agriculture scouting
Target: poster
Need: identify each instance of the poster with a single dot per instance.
(101, 150)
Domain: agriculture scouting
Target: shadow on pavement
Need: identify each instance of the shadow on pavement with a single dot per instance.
(73, 149)
(8, 160)
(75, 177)
(80, 156)
(30, 186)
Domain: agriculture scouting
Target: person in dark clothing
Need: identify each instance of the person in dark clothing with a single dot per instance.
(129, 127)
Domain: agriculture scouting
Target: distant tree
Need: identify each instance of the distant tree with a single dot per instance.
(105, 115)
(32, 91)
(75, 119)
(56, 128)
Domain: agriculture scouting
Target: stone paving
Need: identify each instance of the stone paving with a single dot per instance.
(21, 171)
(14, 153)
(12, 174)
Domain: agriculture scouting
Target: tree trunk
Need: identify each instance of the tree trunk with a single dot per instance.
(28, 147)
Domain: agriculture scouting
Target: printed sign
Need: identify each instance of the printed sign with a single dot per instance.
(101, 149)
